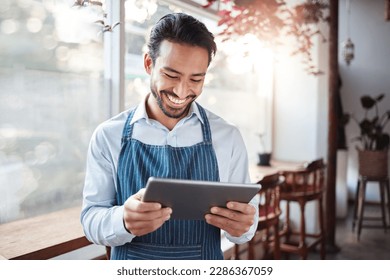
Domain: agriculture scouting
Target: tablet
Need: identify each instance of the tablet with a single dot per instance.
(191, 200)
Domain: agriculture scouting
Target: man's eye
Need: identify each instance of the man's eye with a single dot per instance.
(196, 81)
(170, 76)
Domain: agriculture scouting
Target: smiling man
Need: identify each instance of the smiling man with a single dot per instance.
(168, 135)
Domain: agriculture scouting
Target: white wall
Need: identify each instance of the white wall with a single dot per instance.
(301, 113)
(368, 73)
(301, 106)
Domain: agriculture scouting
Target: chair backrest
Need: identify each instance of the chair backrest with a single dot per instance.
(269, 205)
(309, 180)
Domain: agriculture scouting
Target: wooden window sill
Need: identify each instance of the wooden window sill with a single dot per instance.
(42, 237)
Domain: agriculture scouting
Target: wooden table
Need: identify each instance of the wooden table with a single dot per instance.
(42, 237)
(257, 172)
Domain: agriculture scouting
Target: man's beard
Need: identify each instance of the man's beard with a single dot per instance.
(168, 111)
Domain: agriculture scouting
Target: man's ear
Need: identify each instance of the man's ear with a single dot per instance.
(148, 63)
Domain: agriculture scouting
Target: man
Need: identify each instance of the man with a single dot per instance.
(168, 135)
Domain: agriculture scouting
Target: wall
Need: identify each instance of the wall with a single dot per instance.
(368, 73)
(300, 107)
(300, 122)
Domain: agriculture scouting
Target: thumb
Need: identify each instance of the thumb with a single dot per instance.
(139, 195)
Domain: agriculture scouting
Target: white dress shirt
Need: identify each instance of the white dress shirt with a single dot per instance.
(101, 220)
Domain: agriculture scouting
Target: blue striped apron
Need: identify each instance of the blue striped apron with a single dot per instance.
(176, 239)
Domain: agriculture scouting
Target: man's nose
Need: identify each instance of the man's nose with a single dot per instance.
(182, 89)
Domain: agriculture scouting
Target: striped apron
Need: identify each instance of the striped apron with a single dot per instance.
(176, 239)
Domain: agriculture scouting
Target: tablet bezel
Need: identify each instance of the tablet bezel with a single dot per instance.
(191, 199)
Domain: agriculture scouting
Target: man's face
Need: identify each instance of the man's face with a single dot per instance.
(177, 78)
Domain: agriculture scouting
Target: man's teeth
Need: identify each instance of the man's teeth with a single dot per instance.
(176, 100)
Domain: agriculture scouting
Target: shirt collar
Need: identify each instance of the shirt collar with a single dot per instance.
(140, 112)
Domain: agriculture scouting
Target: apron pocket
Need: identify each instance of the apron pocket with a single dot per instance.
(145, 251)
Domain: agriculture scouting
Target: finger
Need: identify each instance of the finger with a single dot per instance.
(140, 228)
(228, 213)
(244, 208)
(133, 204)
(147, 216)
(235, 228)
(139, 195)
(142, 223)
(139, 206)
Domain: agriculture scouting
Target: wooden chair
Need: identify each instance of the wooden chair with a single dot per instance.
(302, 187)
(269, 212)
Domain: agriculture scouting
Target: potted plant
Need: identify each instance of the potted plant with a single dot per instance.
(264, 156)
(373, 140)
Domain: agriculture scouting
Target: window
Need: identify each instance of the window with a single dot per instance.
(51, 100)
(239, 82)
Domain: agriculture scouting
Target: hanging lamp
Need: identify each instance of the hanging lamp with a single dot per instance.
(348, 47)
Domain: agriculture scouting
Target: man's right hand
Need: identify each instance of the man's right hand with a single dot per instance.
(141, 217)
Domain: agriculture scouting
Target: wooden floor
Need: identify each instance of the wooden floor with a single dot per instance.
(374, 243)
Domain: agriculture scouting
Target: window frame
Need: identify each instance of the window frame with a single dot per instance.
(114, 54)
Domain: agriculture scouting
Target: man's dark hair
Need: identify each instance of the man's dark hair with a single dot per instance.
(180, 28)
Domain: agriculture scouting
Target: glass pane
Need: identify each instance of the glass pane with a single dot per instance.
(51, 100)
(239, 82)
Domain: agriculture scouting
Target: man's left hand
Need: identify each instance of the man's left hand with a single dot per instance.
(236, 219)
